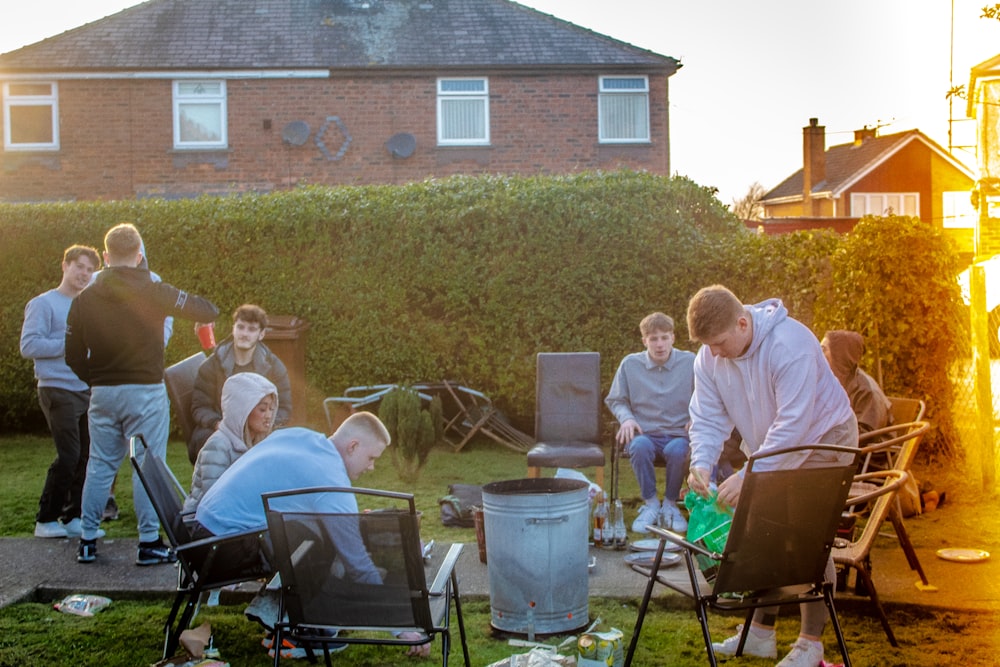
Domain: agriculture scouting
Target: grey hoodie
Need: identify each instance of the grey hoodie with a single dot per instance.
(240, 395)
(779, 393)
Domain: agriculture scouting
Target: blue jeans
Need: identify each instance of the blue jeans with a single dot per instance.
(645, 450)
(116, 414)
(66, 413)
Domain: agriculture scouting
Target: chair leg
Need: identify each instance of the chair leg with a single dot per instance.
(835, 622)
(458, 616)
(904, 542)
(599, 476)
(534, 472)
(865, 575)
(702, 610)
(172, 637)
(643, 606)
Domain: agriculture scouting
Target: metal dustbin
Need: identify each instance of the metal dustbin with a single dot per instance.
(536, 554)
(286, 337)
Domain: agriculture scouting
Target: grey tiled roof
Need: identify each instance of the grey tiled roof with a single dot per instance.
(845, 162)
(335, 34)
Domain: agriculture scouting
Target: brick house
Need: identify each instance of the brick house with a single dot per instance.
(906, 173)
(174, 98)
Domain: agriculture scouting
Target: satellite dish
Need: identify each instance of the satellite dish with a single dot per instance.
(295, 133)
(401, 145)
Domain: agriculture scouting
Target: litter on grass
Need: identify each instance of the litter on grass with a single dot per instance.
(82, 605)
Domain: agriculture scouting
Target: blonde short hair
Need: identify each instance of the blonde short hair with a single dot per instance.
(364, 427)
(711, 311)
(122, 243)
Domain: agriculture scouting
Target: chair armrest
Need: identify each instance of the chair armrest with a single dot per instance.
(884, 481)
(220, 540)
(443, 576)
(680, 541)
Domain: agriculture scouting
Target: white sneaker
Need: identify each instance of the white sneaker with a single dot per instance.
(672, 519)
(762, 647)
(74, 528)
(50, 529)
(804, 653)
(648, 516)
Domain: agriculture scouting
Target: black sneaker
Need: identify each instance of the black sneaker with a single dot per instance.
(154, 553)
(87, 551)
(110, 510)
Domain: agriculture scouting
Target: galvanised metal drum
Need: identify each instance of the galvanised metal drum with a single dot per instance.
(536, 554)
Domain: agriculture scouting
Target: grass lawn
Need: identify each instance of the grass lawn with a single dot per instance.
(129, 633)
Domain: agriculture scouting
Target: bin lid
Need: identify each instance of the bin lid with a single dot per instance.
(284, 327)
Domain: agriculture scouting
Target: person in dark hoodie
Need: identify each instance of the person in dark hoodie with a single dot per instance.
(114, 343)
(843, 350)
(242, 352)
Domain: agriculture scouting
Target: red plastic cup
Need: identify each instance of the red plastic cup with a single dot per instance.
(206, 335)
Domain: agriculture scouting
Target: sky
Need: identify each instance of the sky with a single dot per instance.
(753, 72)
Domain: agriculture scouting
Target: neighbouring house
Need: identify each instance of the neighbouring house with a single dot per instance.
(905, 173)
(983, 104)
(176, 98)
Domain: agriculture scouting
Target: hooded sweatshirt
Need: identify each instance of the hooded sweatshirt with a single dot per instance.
(869, 403)
(240, 395)
(779, 393)
(114, 329)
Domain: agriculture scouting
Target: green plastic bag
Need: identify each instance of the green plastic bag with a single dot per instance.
(708, 526)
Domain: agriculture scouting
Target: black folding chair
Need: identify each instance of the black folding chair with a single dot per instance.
(205, 564)
(777, 551)
(363, 573)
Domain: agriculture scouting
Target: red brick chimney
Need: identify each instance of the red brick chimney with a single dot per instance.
(865, 133)
(813, 163)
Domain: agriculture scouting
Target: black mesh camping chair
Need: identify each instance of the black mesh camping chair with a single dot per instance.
(205, 564)
(360, 572)
(777, 551)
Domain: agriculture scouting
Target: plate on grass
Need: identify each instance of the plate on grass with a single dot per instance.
(651, 545)
(646, 558)
(963, 555)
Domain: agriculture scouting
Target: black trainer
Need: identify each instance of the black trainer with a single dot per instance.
(87, 551)
(154, 553)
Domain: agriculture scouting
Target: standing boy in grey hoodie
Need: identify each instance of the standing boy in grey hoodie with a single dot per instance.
(764, 373)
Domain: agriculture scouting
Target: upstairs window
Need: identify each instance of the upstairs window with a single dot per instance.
(200, 114)
(463, 112)
(885, 203)
(623, 109)
(30, 116)
(958, 210)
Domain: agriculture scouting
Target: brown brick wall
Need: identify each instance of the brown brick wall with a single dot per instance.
(116, 137)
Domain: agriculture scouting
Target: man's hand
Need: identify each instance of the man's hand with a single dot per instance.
(628, 430)
(698, 481)
(420, 650)
(729, 490)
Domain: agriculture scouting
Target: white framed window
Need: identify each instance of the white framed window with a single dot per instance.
(200, 114)
(31, 116)
(623, 109)
(957, 210)
(463, 112)
(885, 203)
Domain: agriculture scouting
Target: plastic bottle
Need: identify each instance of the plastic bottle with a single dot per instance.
(600, 519)
(618, 525)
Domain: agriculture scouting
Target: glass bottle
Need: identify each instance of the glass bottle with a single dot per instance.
(618, 525)
(600, 519)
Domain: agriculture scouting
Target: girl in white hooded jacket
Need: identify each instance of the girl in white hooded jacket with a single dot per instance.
(249, 403)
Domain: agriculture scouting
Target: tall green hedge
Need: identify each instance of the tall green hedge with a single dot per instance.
(463, 279)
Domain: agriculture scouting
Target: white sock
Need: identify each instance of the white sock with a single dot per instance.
(761, 633)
